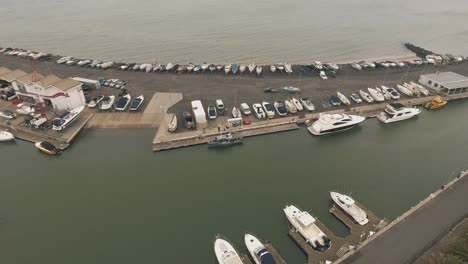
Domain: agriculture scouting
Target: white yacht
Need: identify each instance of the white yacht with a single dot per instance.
(404, 90)
(257, 250)
(290, 106)
(123, 102)
(297, 104)
(343, 98)
(65, 119)
(304, 223)
(258, 110)
(6, 136)
(225, 252)
(281, 109)
(397, 112)
(269, 109)
(307, 102)
(366, 96)
(394, 94)
(349, 206)
(378, 96)
(330, 123)
(107, 103)
(385, 95)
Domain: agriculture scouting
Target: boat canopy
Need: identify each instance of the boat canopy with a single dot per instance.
(266, 257)
(305, 218)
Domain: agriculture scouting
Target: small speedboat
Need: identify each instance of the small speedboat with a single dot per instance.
(334, 100)
(236, 112)
(172, 125)
(6, 136)
(107, 103)
(343, 98)
(219, 67)
(280, 67)
(318, 65)
(259, 70)
(95, 101)
(225, 140)
(290, 106)
(290, 89)
(251, 68)
(288, 68)
(197, 68)
(385, 95)
(25, 109)
(47, 148)
(258, 250)
(123, 103)
(258, 111)
(242, 69)
(211, 112)
(421, 88)
(436, 103)
(307, 103)
(280, 108)
(356, 66)
(212, 68)
(269, 109)
(356, 98)
(297, 104)
(170, 66)
(225, 252)
(227, 68)
(392, 92)
(366, 96)
(404, 90)
(272, 68)
(157, 67)
(378, 96)
(136, 103)
(190, 67)
(205, 66)
(234, 68)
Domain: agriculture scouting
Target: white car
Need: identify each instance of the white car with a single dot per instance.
(245, 109)
(323, 75)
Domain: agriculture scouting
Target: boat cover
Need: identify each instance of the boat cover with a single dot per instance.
(265, 257)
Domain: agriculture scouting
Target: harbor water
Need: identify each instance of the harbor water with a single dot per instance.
(297, 31)
(110, 199)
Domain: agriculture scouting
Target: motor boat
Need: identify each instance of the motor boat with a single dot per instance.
(205, 66)
(356, 98)
(290, 89)
(225, 140)
(363, 64)
(371, 65)
(188, 120)
(436, 103)
(288, 68)
(47, 148)
(259, 70)
(190, 67)
(107, 65)
(149, 68)
(378, 96)
(245, 109)
(94, 63)
(269, 109)
(6, 136)
(397, 112)
(404, 90)
(227, 68)
(107, 103)
(400, 64)
(272, 68)
(162, 68)
(330, 123)
(280, 67)
(385, 95)
(258, 110)
(197, 68)
(257, 250)
(281, 109)
(304, 223)
(323, 75)
(343, 98)
(384, 64)
(136, 103)
(366, 96)
(307, 103)
(136, 67)
(25, 109)
(356, 66)
(225, 252)
(392, 92)
(219, 67)
(335, 101)
(297, 104)
(211, 111)
(123, 102)
(182, 68)
(63, 60)
(333, 66)
(236, 113)
(290, 106)
(318, 65)
(212, 68)
(83, 62)
(252, 68)
(71, 62)
(157, 67)
(66, 118)
(234, 68)
(421, 88)
(242, 69)
(95, 101)
(349, 206)
(413, 88)
(172, 125)
(170, 66)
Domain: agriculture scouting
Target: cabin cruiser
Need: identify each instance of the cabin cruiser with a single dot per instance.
(225, 252)
(245, 109)
(385, 94)
(212, 68)
(397, 112)
(288, 68)
(378, 96)
(414, 89)
(323, 75)
(343, 98)
(107, 103)
(290, 106)
(318, 65)
(95, 101)
(349, 206)
(269, 109)
(123, 103)
(6, 136)
(366, 96)
(136, 103)
(280, 67)
(307, 102)
(170, 66)
(333, 66)
(297, 104)
(392, 92)
(227, 68)
(236, 113)
(65, 119)
(252, 68)
(205, 66)
(47, 148)
(304, 223)
(242, 69)
(234, 68)
(404, 90)
(211, 111)
(356, 98)
(335, 100)
(258, 110)
(330, 123)
(356, 66)
(272, 68)
(257, 250)
(436, 103)
(259, 70)
(281, 109)
(421, 88)
(188, 120)
(172, 125)
(225, 140)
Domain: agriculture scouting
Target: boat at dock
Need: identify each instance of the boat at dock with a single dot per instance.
(107, 103)
(234, 68)
(436, 103)
(219, 67)
(269, 109)
(288, 68)
(65, 119)
(378, 96)
(273, 68)
(356, 98)
(225, 252)
(205, 66)
(385, 94)
(123, 103)
(307, 103)
(304, 223)
(281, 109)
(331, 123)
(397, 112)
(335, 101)
(252, 68)
(225, 140)
(404, 90)
(259, 70)
(242, 69)
(257, 250)
(95, 101)
(136, 103)
(297, 104)
(392, 92)
(227, 68)
(212, 68)
(6, 136)
(349, 206)
(291, 89)
(421, 88)
(258, 110)
(47, 148)
(343, 98)
(25, 109)
(236, 113)
(290, 106)
(172, 125)
(413, 88)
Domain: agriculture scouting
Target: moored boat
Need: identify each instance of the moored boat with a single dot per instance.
(136, 103)
(307, 102)
(349, 206)
(252, 68)
(66, 118)
(107, 103)
(392, 92)
(297, 104)
(25, 109)
(343, 98)
(269, 109)
(234, 68)
(236, 112)
(123, 102)
(259, 70)
(95, 101)
(242, 69)
(436, 103)
(366, 96)
(272, 68)
(47, 148)
(397, 112)
(290, 106)
(225, 140)
(281, 109)
(172, 125)
(404, 90)
(6, 136)
(331, 123)
(225, 252)
(378, 96)
(384, 94)
(227, 68)
(257, 250)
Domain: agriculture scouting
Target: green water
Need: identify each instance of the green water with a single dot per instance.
(110, 199)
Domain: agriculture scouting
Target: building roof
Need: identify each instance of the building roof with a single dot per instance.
(49, 80)
(4, 70)
(11, 76)
(66, 84)
(449, 80)
(28, 78)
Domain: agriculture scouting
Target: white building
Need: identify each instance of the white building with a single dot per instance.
(61, 94)
(445, 82)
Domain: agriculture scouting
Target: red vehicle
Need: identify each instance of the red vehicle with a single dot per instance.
(246, 121)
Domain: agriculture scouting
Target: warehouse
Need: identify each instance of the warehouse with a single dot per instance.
(445, 83)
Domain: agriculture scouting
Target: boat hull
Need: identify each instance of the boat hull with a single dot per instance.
(330, 131)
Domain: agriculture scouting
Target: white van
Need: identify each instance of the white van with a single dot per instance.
(219, 104)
